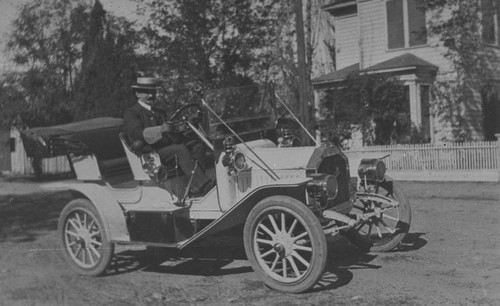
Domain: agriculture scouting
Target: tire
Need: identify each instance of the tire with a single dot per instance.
(292, 260)
(384, 233)
(85, 244)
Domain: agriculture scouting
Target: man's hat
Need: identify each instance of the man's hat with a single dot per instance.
(146, 83)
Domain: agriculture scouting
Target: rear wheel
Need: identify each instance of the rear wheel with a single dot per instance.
(386, 229)
(84, 240)
(285, 244)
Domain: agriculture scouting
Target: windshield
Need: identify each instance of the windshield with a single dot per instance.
(245, 109)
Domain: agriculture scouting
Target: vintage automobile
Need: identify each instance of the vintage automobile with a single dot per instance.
(281, 200)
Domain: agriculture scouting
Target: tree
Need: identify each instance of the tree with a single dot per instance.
(282, 58)
(108, 66)
(46, 40)
(12, 103)
(459, 26)
(211, 43)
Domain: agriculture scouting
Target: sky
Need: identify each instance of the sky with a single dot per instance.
(8, 11)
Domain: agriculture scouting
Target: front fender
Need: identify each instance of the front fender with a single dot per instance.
(102, 199)
(238, 213)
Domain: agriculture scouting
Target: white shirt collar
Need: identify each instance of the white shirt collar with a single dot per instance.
(146, 106)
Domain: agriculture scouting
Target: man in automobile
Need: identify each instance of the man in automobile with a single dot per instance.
(145, 124)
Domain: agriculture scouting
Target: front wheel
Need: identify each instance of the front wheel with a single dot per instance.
(285, 244)
(84, 240)
(384, 230)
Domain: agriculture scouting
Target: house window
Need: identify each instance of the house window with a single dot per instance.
(12, 143)
(405, 24)
(490, 21)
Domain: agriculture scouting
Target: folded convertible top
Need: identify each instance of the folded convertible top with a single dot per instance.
(98, 136)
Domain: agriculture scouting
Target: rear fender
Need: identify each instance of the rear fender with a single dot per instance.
(109, 209)
(239, 212)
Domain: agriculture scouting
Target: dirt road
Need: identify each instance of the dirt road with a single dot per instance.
(450, 257)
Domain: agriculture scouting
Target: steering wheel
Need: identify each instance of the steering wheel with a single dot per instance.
(192, 112)
(186, 121)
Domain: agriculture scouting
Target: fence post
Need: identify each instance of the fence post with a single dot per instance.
(498, 155)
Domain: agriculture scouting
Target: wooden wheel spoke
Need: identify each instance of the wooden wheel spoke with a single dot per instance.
(379, 233)
(92, 223)
(91, 258)
(300, 258)
(391, 217)
(304, 234)
(267, 253)
(292, 227)
(269, 242)
(273, 223)
(72, 234)
(78, 250)
(78, 219)
(268, 231)
(75, 225)
(294, 266)
(284, 266)
(360, 226)
(97, 243)
(275, 262)
(94, 250)
(283, 223)
(302, 248)
(370, 227)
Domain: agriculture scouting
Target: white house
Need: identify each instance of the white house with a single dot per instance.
(389, 36)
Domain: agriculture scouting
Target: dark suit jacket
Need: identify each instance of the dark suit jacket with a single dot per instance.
(137, 118)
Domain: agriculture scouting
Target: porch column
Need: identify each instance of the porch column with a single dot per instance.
(498, 155)
(415, 111)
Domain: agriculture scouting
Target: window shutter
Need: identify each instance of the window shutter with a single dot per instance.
(395, 26)
(416, 23)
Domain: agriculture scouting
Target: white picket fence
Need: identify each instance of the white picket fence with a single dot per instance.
(436, 157)
(479, 161)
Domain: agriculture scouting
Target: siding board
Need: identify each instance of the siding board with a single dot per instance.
(347, 40)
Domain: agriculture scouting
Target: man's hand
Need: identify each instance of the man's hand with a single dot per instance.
(167, 127)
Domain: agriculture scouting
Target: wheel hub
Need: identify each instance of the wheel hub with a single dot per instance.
(278, 248)
(84, 238)
(284, 244)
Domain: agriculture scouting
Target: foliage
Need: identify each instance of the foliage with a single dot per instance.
(210, 43)
(457, 25)
(218, 43)
(376, 102)
(79, 62)
(46, 40)
(108, 66)
(11, 101)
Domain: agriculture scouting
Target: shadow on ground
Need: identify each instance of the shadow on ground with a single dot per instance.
(24, 217)
(206, 260)
(216, 260)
